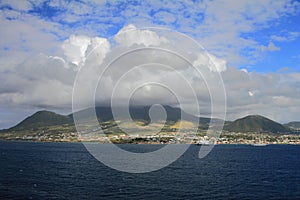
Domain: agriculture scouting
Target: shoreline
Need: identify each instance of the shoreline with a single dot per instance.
(142, 143)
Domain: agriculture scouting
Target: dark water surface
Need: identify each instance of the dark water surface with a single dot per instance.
(67, 171)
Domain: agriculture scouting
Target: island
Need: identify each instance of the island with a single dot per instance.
(46, 126)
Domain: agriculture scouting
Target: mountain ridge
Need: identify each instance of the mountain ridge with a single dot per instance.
(293, 125)
(251, 123)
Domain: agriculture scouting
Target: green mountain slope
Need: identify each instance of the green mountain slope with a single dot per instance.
(255, 123)
(42, 119)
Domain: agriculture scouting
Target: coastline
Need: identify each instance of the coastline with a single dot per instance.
(141, 143)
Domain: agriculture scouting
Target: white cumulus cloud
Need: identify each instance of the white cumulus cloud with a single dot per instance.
(130, 35)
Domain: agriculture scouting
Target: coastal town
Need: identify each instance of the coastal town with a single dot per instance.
(50, 127)
(187, 137)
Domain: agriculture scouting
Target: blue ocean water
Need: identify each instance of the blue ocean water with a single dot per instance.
(67, 171)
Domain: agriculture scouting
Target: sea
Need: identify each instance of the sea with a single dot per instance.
(36, 170)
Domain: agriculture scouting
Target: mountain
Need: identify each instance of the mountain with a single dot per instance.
(140, 113)
(42, 119)
(46, 118)
(255, 123)
(293, 125)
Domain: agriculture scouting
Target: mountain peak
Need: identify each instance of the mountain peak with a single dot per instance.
(255, 123)
(42, 118)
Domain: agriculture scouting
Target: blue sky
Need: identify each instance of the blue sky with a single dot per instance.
(261, 36)
(239, 33)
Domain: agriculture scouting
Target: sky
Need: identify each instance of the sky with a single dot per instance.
(254, 45)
